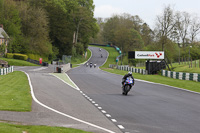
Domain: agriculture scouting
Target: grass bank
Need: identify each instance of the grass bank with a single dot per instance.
(183, 67)
(189, 85)
(15, 128)
(15, 92)
(76, 61)
(15, 62)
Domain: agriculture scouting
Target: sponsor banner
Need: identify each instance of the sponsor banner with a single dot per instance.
(149, 55)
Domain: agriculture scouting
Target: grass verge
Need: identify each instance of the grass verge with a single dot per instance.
(185, 68)
(15, 92)
(14, 128)
(189, 85)
(64, 77)
(14, 62)
(76, 61)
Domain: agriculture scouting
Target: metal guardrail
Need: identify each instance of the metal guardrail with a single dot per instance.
(37, 62)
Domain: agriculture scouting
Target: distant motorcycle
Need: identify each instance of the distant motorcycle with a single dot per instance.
(127, 85)
(90, 65)
(101, 56)
(95, 65)
(87, 65)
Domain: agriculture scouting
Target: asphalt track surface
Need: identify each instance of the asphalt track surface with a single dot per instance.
(148, 108)
(58, 104)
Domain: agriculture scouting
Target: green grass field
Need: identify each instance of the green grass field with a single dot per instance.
(183, 67)
(14, 62)
(15, 92)
(16, 128)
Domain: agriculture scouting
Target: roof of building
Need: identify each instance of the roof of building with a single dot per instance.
(3, 34)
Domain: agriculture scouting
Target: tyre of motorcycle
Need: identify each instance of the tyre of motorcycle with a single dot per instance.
(126, 89)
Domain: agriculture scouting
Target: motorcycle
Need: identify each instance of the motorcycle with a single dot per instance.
(90, 65)
(101, 56)
(87, 65)
(127, 85)
(95, 65)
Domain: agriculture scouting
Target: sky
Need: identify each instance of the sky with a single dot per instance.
(147, 10)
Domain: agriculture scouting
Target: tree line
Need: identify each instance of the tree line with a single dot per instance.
(49, 28)
(174, 32)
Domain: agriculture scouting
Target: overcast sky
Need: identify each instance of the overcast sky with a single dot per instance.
(147, 10)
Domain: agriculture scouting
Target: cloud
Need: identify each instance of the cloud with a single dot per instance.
(106, 11)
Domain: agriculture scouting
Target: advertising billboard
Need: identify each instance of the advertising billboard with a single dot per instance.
(149, 55)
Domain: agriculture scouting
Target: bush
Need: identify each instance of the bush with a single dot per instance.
(9, 55)
(37, 57)
(20, 56)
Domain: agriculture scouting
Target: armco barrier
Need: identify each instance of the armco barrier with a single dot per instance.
(181, 75)
(127, 68)
(4, 71)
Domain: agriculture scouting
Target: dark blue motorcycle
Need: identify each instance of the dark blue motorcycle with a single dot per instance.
(127, 85)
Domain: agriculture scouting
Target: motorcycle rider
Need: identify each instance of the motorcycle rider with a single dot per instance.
(126, 76)
(90, 64)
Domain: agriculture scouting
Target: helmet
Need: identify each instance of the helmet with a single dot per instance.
(130, 73)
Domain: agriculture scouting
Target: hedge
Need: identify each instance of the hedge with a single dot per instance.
(17, 56)
(37, 57)
(9, 55)
(20, 56)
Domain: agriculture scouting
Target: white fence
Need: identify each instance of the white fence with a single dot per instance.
(181, 75)
(127, 68)
(4, 71)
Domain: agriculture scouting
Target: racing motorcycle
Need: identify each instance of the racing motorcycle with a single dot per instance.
(90, 65)
(127, 85)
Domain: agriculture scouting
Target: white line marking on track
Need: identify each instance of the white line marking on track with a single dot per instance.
(113, 120)
(99, 107)
(96, 104)
(108, 115)
(103, 111)
(120, 126)
(38, 69)
(76, 119)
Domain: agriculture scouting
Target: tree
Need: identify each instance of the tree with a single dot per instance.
(165, 24)
(182, 26)
(12, 24)
(195, 28)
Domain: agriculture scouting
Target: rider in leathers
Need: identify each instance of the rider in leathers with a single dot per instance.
(126, 76)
